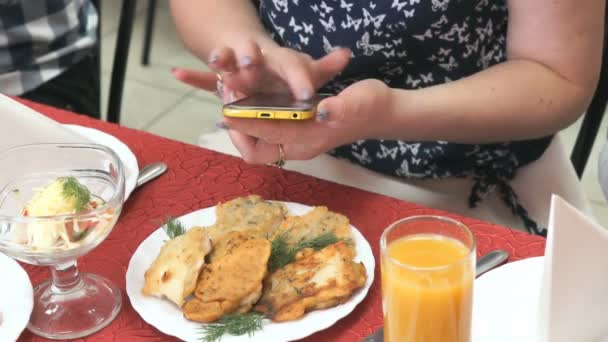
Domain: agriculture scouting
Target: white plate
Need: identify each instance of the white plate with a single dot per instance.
(506, 302)
(124, 153)
(16, 299)
(169, 319)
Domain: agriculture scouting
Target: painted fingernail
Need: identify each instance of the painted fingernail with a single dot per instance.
(246, 61)
(222, 125)
(322, 115)
(305, 95)
(173, 70)
(213, 59)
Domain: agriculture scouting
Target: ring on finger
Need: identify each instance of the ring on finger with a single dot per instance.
(281, 161)
(219, 85)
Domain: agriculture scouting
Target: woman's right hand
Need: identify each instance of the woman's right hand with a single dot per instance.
(246, 69)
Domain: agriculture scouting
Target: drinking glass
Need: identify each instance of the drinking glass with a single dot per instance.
(71, 304)
(428, 268)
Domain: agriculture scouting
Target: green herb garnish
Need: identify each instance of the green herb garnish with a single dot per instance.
(232, 324)
(73, 189)
(173, 227)
(81, 235)
(282, 254)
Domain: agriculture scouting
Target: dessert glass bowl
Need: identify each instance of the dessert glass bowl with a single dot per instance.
(70, 304)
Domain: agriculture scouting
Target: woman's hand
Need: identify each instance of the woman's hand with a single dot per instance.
(361, 111)
(246, 69)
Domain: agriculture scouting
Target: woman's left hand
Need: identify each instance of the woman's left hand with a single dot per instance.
(361, 111)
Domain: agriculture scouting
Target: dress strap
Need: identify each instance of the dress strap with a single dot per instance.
(487, 181)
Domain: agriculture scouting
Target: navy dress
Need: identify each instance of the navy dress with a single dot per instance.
(412, 44)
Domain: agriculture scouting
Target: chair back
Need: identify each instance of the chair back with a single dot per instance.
(594, 115)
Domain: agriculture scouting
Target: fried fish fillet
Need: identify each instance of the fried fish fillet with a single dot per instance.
(316, 222)
(232, 282)
(229, 242)
(251, 213)
(316, 280)
(175, 271)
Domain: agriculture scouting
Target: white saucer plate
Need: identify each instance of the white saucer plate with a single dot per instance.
(124, 153)
(16, 299)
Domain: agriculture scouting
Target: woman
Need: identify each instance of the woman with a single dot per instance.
(436, 89)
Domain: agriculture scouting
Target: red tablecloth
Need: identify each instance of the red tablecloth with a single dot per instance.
(199, 178)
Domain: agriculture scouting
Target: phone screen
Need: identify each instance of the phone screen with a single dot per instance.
(276, 101)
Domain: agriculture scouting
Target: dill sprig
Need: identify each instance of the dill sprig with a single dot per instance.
(282, 254)
(232, 324)
(73, 189)
(173, 227)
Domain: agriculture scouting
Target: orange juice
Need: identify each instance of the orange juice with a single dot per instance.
(427, 288)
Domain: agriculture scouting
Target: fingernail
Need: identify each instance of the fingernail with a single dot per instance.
(173, 70)
(337, 48)
(322, 115)
(213, 59)
(222, 125)
(305, 95)
(246, 61)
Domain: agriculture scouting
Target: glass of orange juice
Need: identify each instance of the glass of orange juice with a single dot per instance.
(428, 268)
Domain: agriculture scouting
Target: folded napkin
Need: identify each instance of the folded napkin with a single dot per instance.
(574, 297)
(21, 125)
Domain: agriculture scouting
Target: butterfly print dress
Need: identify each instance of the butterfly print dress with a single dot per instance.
(412, 44)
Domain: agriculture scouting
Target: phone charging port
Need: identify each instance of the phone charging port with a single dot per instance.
(265, 115)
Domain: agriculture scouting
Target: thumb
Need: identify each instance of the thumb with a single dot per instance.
(356, 100)
(330, 65)
(331, 109)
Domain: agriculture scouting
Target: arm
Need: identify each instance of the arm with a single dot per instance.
(554, 52)
(208, 24)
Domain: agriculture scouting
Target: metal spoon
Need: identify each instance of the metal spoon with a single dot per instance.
(491, 260)
(149, 172)
(487, 262)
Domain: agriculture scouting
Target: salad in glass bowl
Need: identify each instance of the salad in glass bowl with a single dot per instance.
(57, 203)
(64, 196)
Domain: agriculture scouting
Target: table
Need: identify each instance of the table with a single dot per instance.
(199, 178)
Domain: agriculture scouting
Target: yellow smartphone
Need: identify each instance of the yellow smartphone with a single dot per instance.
(273, 107)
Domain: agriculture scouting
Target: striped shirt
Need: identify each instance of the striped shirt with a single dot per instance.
(39, 39)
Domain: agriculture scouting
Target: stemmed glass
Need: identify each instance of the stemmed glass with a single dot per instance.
(71, 304)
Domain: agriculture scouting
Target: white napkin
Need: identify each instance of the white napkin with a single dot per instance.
(21, 125)
(574, 297)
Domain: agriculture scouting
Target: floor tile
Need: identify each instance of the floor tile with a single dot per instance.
(600, 210)
(188, 120)
(110, 14)
(105, 87)
(167, 52)
(142, 103)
